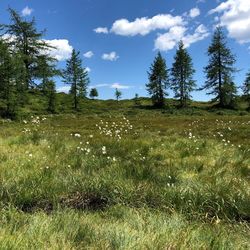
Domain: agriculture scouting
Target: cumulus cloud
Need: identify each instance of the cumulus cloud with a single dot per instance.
(194, 12)
(103, 30)
(170, 39)
(235, 16)
(62, 49)
(143, 26)
(27, 11)
(88, 69)
(88, 54)
(112, 56)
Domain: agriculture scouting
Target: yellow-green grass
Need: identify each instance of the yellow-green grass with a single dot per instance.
(125, 181)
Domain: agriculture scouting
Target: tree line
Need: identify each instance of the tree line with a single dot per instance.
(26, 64)
(219, 75)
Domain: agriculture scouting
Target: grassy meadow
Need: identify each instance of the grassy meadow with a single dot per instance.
(125, 178)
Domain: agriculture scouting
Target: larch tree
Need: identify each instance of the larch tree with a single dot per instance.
(77, 76)
(246, 88)
(182, 71)
(158, 81)
(118, 94)
(24, 39)
(93, 93)
(8, 87)
(220, 68)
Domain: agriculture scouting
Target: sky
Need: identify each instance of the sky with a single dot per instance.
(119, 39)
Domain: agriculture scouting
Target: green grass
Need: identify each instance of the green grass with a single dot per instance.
(152, 180)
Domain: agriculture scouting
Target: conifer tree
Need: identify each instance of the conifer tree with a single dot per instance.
(77, 77)
(118, 94)
(137, 100)
(27, 41)
(158, 81)
(93, 93)
(220, 67)
(8, 87)
(182, 72)
(246, 88)
(50, 93)
(246, 85)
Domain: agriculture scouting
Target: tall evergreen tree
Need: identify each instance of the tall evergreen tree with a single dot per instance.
(50, 93)
(93, 93)
(246, 89)
(118, 94)
(8, 87)
(27, 41)
(246, 85)
(220, 67)
(182, 72)
(158, 81)
(77, 77)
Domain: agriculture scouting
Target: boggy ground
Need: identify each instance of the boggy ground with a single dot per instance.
(136, 181)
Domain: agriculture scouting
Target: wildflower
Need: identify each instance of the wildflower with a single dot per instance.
(104, 150)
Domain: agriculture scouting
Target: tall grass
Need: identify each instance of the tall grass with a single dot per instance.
(110, 182)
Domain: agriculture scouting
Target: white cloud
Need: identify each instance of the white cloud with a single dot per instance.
(62, 49)
(194, 12)
(200, 33)
(27, 11)
(112, 56)
(120, 86)
(64, 89)
(103, 30)
(88, 69)
(170, 39)
(88, 54)
(235, 16)
(143, 26)
(112, 86)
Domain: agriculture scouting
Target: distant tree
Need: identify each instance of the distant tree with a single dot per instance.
(46, 70)
(246, 85)
(220, 67)
(93, 93)
(246, 88)
(8, 86)
(77, 77)
(158, 81)
(137, 100)
(118, 94)
(182, 71)
(27, 41)
(49, 89)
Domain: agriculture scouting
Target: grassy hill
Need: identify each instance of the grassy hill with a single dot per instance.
(116, 176)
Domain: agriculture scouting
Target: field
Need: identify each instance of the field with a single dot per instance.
(125, 179)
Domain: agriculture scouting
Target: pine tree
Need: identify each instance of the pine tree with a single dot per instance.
(77, 77)
(93, 93)
(50, 93)
(8, 87)
(246, 89)
(27, 41)
(158, 81)
(118, 94)
(182, 72)
(137, 100)
(246, 85)
(220, 67)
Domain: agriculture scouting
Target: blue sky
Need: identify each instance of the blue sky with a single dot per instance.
(119, 39)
